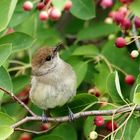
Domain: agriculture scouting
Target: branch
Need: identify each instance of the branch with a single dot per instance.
(78, 115)
(36, 132)
(18, 101)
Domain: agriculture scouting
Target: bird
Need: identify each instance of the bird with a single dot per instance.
(53, 81)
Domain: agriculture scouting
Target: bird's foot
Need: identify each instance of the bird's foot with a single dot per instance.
(71, 115)
(44, 117)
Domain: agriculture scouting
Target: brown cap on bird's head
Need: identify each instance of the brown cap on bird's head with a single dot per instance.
(44, 54)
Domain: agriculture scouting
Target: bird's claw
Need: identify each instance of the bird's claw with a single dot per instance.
(71, 115)
(44, 117)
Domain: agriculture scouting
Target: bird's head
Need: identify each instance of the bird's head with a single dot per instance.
(45, 60)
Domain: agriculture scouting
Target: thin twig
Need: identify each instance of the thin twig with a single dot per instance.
(36, 132)
(18, 100)
(78, 115)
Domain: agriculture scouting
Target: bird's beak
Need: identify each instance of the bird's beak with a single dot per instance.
(58, 47)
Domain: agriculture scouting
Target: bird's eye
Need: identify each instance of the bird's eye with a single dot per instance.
(48, 58)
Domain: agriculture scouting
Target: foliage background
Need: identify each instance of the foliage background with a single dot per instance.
(89, 48)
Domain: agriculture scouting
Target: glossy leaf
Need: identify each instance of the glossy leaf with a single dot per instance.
(137, 135)
(5, 80)
(7, 8)
(117, 83)
(66, 131)
(86, 50)
(18, 40)
(119, 53)
(136, 98)
(79, 102)
(5, 119)
(131, 128)
(83, 9)
(80, 67)
(94, 32)
(135, 7)
(5, 132)
(20, 82)
(5, 51)
(100, 76)
(112, 89)
(89, 126)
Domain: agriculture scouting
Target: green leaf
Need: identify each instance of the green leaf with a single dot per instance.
(20, 82)
(131, 128)
(5, 132)
(120, 53)
(7, 8)
(117, 83)
(87, 50)
(66, 131)
(112, 89)
(5, 51)
(97, 31)
(5, 79)
(100, 77)
(18, 40)
(137, 135)
(5, 119)
(83, 9)
(88, 126)
(136, 98)
(59, 4)
(19, 15)
(49, 137)
(79, 102)
(80, 68)
(134, 6)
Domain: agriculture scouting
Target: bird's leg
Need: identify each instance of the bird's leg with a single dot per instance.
(71, 115)
(44, 116)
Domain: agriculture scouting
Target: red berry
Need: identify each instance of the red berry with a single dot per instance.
(106, 3)
(120, 42)
(24, 95)
(111, 126)
(9, 31)
(123, 10)
(28, 5)
(126, 1)
(54, 14)
(126, 24)
(68, 5)
(119, 17)
(112, 14)
(43, 15)
(40, 6)
(45, 126)
(25, 136)
(137, 22)
(129, 79)
(99, 120)
(46, 1)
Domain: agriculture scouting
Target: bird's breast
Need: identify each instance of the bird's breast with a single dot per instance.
(51, 92)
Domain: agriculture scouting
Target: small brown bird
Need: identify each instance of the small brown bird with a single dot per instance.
(54, 81)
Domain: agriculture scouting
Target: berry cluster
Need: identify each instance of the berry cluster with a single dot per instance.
(47, 10)
(126, 20)
(99, 121)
